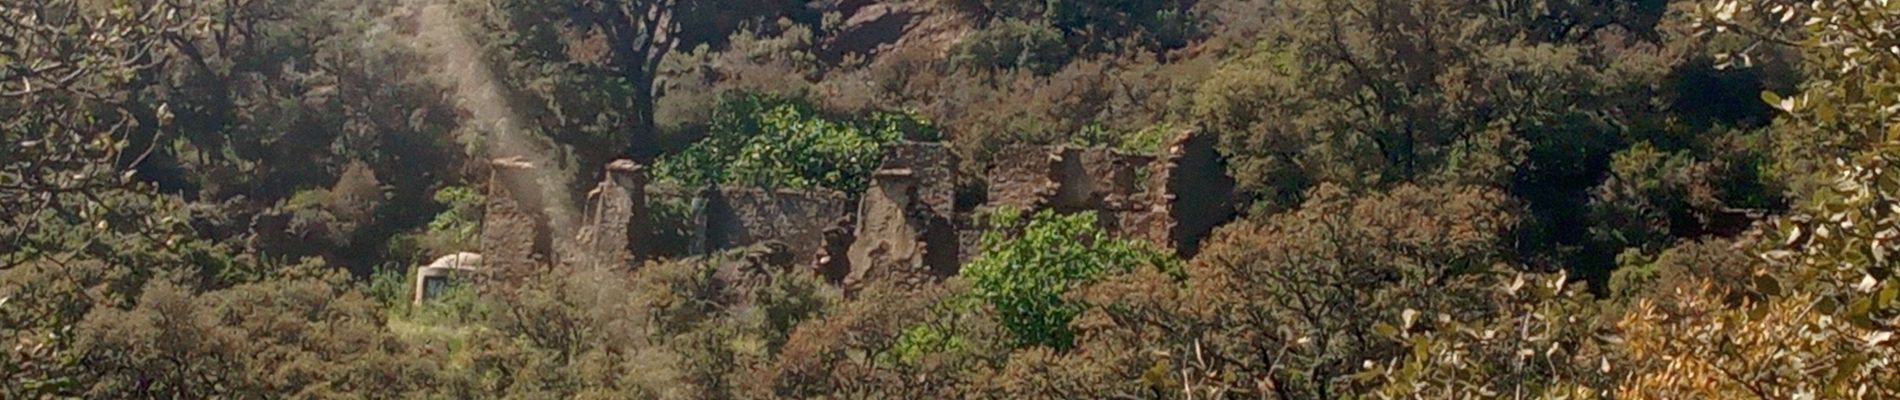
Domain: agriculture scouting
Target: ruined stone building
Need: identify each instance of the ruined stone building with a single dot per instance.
(515, 238)
(906, 228)
(614, 233)
(1133, 196)
(611, 233)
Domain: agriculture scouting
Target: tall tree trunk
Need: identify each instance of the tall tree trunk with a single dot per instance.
(644, 139)
(640, 33)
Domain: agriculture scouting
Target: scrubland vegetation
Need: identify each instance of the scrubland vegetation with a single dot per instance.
(1643, 199)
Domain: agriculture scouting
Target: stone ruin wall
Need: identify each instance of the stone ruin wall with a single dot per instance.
(741, 217)
(1070, 179)
(514, 239)
(1192, 166)
(906, 227)
(1022, 177)
(906, 230)
(612, 233)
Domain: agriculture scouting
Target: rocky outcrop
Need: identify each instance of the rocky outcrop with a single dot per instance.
(873, 29)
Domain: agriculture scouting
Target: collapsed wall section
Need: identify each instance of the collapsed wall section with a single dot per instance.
(1023, 177)
(1194, 189)
(906, 230)
(1184, 196)
(1070, 180)
(1097, 179)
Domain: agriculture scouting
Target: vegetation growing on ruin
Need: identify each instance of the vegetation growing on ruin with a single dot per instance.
(769, 141)
(1440, 198)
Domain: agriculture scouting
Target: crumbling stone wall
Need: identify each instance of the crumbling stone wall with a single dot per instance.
(613, 236)
(740, 217)
(834, 258)
(970, 230)
(1097, 179)
(1023, 177)
(739, 274)
(1069, 179)
(1194, 189)
(515, 240)
(933, 167)
(906, 226)
(1109, 183)
(1066, 179)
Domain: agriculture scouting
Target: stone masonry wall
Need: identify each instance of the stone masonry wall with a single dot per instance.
(906, 226)
(514, 239)
(612, 236)
(740, 217)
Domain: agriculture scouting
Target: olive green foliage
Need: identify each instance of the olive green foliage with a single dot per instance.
(1540, 100)
(283, 336)
(1026, 275)
(455, 229)
(1097, 26)
(1291, 307)
(1445, 199)
(1012, 43)
(592, 69)
(1724, 263)
(770, 141)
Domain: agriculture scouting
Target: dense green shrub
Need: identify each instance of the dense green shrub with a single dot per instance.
(456, 228)
(770, 141)
(1012, 43)
(1025, 276)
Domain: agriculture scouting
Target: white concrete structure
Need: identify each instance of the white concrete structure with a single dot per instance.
(433, 278)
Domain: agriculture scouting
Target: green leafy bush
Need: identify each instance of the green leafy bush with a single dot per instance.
(455, 228)
(1012, 43)
(1098, 25)
(1026, 275)
(771, 141)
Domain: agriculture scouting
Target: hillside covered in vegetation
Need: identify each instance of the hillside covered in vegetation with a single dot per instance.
(1632, 199)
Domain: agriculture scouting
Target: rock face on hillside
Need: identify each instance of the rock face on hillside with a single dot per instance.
(872, 29)
(906, 228)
